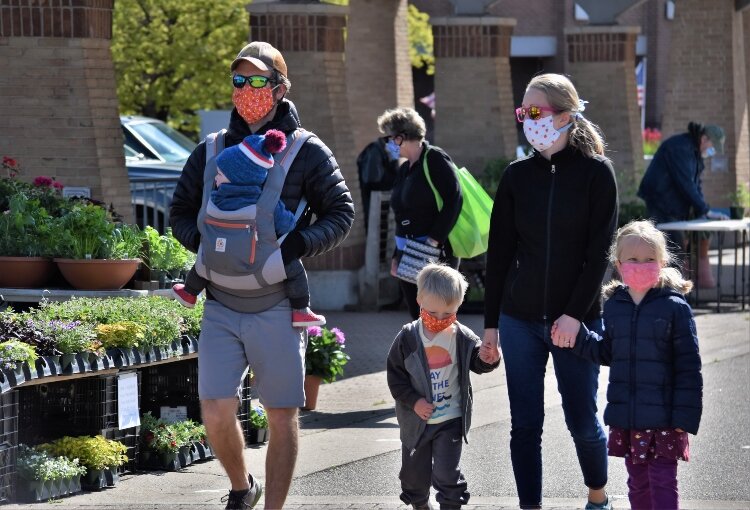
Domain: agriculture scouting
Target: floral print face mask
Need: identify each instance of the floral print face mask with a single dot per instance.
(253, 104)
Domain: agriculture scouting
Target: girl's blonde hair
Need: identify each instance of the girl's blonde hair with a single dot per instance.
(563, 97)
(649, 234)
(443, 282)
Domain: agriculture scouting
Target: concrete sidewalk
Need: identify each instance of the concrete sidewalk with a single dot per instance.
(355, 421)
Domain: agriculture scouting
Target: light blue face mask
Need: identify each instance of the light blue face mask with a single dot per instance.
(710, 152)
(394, 150)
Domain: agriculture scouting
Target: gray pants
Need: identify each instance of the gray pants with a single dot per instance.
(295, 285)
(435, 461)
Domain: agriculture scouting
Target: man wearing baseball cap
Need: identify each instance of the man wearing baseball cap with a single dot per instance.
(253, 328)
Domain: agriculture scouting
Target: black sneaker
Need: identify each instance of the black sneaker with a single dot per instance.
(244, 500)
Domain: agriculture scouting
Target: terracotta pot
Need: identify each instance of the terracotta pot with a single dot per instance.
(25, 272)
(97, 274)
(312, 385)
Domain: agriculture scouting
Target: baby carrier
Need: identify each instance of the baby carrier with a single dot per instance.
(239, 253)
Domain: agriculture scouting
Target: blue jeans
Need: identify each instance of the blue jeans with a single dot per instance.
(526, 346)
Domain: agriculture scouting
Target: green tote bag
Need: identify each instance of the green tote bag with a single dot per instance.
(471, 232)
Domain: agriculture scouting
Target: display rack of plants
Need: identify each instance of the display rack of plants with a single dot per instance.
(48, 365)
(122, 357)
(202, 451)
(15, 375)
(74, 363)
(4, 383)
(101, 457)
(8, 443)
(185, 455)
(171, 384)
(80, 406)
(189, 344)
(42, 476)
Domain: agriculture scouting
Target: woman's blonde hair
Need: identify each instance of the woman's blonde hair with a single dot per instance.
(563, 97)
(402, 121)
(649, 234)
(443, 282)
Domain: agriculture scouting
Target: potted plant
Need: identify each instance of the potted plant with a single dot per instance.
(44, 477)
(89, 237)
(26, 236)
(99, 455)
(257, 424)
(13, 355)
(324, 360)
(739, 201)
(160, 447)
(167, 258)
(76, 341)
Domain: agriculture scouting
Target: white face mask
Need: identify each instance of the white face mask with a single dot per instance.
(541, 133)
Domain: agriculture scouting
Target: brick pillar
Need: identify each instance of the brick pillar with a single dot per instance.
(601, 63)
(378, 72)
(708, 83)
(58, 103)
(473, 89)
(311, 38)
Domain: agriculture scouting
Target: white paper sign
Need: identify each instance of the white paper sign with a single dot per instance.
(128, 414)
(173, 414)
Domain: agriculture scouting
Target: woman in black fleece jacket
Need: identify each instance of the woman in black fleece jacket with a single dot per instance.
(552, 223)
(413, 201)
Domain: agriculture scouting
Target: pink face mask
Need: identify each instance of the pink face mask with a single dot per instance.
(640, 277)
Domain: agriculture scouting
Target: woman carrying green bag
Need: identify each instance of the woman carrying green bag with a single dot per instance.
(417, 213)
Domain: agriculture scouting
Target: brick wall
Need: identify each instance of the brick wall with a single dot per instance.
(743, 169)
(707, 83)
(311, 38)
(58, 104)
(473, 114)
(378, 69)
(600, 61)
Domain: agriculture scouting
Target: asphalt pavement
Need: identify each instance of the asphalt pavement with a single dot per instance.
(349, 449)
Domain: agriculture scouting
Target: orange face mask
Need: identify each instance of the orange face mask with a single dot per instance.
(436, 325)
(253, 104)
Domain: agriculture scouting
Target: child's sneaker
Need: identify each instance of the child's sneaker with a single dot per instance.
(184, 297)
(306, 317)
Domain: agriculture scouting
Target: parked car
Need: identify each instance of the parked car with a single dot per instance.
(154, 156)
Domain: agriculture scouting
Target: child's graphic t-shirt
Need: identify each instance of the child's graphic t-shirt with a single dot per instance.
(443, 364)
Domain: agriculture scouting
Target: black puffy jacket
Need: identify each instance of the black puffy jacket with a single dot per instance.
(314, 174)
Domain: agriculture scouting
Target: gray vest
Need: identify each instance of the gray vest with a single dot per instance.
(239, 254)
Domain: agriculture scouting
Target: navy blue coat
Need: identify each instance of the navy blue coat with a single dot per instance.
(655, 376)
(672, 182)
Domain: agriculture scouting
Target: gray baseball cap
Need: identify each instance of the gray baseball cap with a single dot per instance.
(716, 135)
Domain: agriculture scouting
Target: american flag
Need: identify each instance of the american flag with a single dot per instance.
(640, 82)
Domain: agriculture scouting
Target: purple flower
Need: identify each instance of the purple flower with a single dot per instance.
(340, 338)
(314, 331)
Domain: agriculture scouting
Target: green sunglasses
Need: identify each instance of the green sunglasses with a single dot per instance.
(256, 81)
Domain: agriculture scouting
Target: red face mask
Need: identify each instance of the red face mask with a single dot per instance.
(436, 325)
(253, 104)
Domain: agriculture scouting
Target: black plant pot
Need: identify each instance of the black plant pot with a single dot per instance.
(736, 213)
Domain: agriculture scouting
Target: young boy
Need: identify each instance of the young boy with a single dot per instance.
(428, 375)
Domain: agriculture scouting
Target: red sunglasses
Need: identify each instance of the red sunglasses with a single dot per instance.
(534, 112)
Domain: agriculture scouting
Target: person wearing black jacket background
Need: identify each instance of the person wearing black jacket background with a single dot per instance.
(412, 199)
(552, 223)
(256, 330)
(376, 168)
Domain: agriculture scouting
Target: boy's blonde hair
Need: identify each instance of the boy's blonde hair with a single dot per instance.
(443, 282)
(648, 233)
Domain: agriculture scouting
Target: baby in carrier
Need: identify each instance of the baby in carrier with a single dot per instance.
(241, 172)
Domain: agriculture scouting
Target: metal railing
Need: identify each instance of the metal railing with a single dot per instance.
(151, 198)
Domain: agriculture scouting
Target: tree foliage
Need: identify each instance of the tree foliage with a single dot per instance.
(420, 40)
(172, 57)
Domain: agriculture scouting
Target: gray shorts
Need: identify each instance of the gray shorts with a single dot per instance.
(266, 342)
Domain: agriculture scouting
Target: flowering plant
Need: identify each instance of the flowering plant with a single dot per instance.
(651, 141)
(325, 356)
(96, 453)
(47, 182)
(11, 167)
(14, 352)
(33, 465)
(158, 435)
(70, 336)
(257, 417)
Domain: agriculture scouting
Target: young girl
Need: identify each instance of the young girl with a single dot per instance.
(655, 383)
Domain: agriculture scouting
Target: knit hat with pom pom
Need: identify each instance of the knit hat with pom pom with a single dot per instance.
(253, 154)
